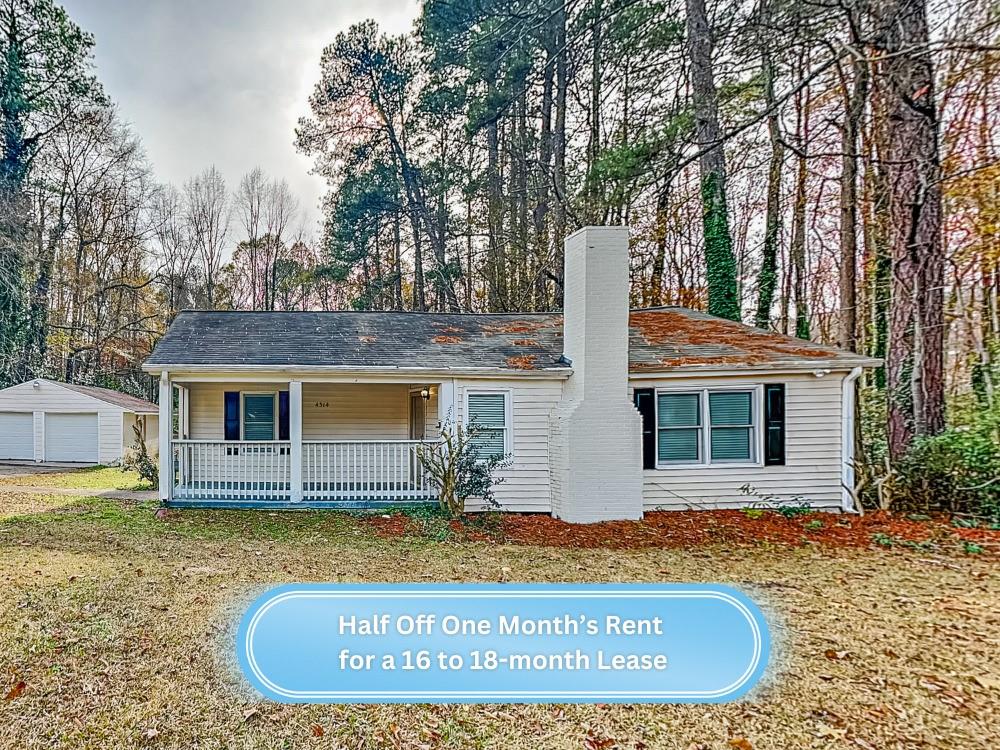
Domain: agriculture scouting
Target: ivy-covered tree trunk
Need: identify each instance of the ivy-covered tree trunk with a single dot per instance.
(720, 264)
(767, 280)
(797, 248)
(913, 168)
(13, 220)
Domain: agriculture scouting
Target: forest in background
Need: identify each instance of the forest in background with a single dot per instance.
(826, 170)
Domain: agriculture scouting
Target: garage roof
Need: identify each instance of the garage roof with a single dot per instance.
(108, 396)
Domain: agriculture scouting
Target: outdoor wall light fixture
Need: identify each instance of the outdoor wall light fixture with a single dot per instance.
(425, 393)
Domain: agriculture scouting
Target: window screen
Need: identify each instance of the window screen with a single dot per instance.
(258, 416)
(731, 415)
(488, 412)
(678, 427)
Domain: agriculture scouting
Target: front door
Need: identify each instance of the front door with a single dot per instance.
(416, 430)
(416, 416)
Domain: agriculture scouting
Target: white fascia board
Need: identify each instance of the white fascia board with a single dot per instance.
(337, 373)
(820, 366)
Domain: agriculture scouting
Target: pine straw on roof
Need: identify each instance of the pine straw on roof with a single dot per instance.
(522, 362)
(750, 345)
(514, 326)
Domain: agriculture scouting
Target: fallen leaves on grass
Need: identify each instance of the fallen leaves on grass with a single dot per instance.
(16, 691)
(595, 742)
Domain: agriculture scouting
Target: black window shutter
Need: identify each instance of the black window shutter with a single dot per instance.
(645, 402)
(774, 424)
(232, 415)
(283, 431)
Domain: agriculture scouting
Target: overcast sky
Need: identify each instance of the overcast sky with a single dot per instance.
(222, 81)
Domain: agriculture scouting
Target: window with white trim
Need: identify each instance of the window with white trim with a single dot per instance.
(258, 416)
(488, 410)
(707, 426)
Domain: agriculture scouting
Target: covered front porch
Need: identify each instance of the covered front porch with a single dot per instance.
(298, 443)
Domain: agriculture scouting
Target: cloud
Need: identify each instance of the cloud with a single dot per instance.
(222, 81)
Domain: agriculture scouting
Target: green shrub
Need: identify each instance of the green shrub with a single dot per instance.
(957, 471)
(139, 460)
(458, 470)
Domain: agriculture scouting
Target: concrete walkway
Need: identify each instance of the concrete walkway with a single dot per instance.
(110, 494)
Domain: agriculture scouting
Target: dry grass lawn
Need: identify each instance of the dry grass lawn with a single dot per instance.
(116, 631)
(88, 478)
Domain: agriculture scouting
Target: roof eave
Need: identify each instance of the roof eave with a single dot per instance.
(551, 372)
(833, 365)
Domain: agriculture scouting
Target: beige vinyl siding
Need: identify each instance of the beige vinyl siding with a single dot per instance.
(812, 467)
(526, 482)
(355, 411)
(152, 435)
(206, 404)
(330, 411)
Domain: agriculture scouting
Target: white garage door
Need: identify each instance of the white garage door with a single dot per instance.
(71, 437)
(17, 439)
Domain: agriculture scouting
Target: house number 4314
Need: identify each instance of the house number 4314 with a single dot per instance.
(322, 404)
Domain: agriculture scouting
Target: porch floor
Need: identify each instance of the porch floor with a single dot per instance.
(358, 503)
(344, 495)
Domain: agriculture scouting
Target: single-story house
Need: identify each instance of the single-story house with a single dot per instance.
(604, 411)
(45, 420)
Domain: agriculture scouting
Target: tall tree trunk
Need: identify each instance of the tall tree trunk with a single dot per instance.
(854, 96)
(767, 280)
(496, 263)
(913, 168)
(543, 176)
(660, 256)
(880, 270)
(720, 265)
(397, 263)
(559, 151)
(592, 188)
(797, 248)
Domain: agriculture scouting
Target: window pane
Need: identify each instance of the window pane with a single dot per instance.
(679, 445)
(258, 417)
(731, 443)
(730, 408)
(487, 409)
(488, 443)
(679, 410)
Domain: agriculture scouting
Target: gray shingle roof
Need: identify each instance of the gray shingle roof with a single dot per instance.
(659, 339)
(361, 339)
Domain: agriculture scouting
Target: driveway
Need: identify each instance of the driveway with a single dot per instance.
(29, 468)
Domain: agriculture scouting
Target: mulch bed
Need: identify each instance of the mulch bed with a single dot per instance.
(682, 529)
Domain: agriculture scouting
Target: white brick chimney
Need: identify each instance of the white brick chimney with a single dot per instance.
(596, 432)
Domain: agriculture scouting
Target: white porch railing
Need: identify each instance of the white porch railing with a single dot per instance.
(232, 469)
(364, 469)
(379, 470)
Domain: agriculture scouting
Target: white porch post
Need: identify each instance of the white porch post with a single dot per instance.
(165, 430)
(295, 435)
(447, 410)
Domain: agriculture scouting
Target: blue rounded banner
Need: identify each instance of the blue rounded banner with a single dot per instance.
(507, 643)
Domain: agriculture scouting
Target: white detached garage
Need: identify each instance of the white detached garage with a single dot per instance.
(44, 420)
